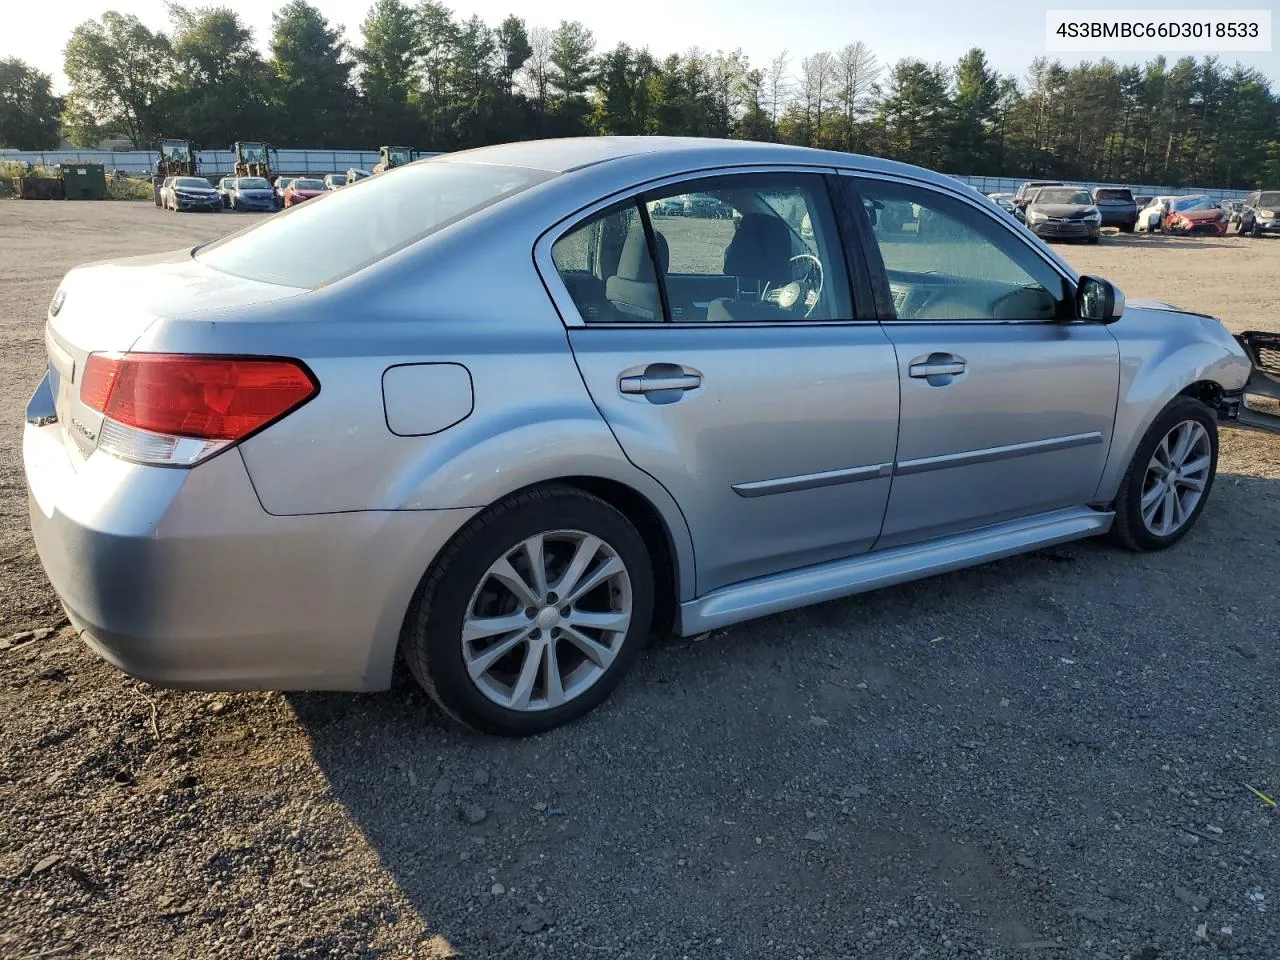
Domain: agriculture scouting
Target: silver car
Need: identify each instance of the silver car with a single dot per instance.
(486, 411)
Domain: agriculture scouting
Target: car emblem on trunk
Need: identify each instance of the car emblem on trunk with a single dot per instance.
(58, 299)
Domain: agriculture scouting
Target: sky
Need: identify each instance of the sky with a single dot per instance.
(1012, 32)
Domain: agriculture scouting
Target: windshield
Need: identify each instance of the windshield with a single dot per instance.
(1109, 194)
(192, 182)
(1194, 203)
(316, 243)
(1063, 195)
(308, 184)
(252, 183)
(1269, 199)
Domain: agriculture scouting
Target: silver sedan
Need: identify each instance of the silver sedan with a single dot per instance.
(510, 410)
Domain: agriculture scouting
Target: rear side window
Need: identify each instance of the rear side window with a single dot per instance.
(606, 266)
(319, 242)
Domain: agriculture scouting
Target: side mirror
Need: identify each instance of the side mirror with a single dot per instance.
(1098, 300)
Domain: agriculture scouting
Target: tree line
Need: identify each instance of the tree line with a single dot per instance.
(422, 76)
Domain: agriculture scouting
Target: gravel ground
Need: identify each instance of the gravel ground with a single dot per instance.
(1043, 757)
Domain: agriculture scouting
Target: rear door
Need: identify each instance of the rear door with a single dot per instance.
(1007, 404)
(738, 374)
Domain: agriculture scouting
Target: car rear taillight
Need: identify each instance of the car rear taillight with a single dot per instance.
(178, 409)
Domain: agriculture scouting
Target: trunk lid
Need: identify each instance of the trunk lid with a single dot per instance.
(107, 306)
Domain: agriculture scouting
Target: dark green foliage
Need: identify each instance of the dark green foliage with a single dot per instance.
(420, 75)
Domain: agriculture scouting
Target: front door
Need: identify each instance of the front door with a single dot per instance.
(1007, 402)
(763, 407)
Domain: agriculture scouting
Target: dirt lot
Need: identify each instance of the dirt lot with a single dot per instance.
(1043, 757)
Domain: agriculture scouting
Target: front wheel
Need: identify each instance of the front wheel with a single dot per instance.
(1169, 479)
(532, 614)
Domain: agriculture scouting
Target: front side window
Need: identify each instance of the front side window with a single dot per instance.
(756, 248)
(946, 260)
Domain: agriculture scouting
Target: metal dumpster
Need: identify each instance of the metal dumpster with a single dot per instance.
(37, 188)
(84, 181)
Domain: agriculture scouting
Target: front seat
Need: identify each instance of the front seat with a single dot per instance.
(633, 291)
(760, 253)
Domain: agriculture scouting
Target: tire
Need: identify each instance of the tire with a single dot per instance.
(1126, 227)
(1093, 239)
(1130, 530)
(460, 583)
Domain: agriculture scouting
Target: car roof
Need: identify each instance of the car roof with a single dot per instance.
(567, 154)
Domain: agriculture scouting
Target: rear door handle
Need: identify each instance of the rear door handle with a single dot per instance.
(650, 384)
(936, 369)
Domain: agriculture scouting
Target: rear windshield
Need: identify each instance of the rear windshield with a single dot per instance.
(1110, 194)
(314, 244)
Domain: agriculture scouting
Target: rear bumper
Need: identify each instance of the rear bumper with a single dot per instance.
(180, 578)
(1119, 218)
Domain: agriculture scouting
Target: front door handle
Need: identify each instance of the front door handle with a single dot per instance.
(650, 384)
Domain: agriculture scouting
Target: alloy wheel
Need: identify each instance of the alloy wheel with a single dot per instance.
(1176, 477)
(547, 619)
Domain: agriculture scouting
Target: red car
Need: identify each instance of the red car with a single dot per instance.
(303, 189)
(1196, 215)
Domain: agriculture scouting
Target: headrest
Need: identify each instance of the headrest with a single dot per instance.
(760, 249)
(634, 263)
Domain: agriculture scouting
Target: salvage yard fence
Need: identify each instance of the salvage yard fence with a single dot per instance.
(222, 162)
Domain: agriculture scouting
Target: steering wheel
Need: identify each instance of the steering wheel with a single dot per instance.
(805, 290)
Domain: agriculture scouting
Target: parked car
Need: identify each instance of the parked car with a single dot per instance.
(1151, 216)
(1233, 210)
(1117, 207)
(252, 193)
(1195, 214)
(280, 185)
(189, 193)
(1002, 200)
(303, 188)
(402, 418)
(667, 207)
(1261, 213)
(224, 190)
(332, 181)
(1063, 213)
(1141, 200)
(355, 173)
(1026, 190)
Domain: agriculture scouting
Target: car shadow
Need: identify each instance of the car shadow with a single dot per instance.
(1148, 241)
(857, 758)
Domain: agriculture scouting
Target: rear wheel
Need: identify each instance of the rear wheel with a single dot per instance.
(533, 614)
(1168, 482)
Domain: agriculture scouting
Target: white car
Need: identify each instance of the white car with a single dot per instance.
(1151, 216)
